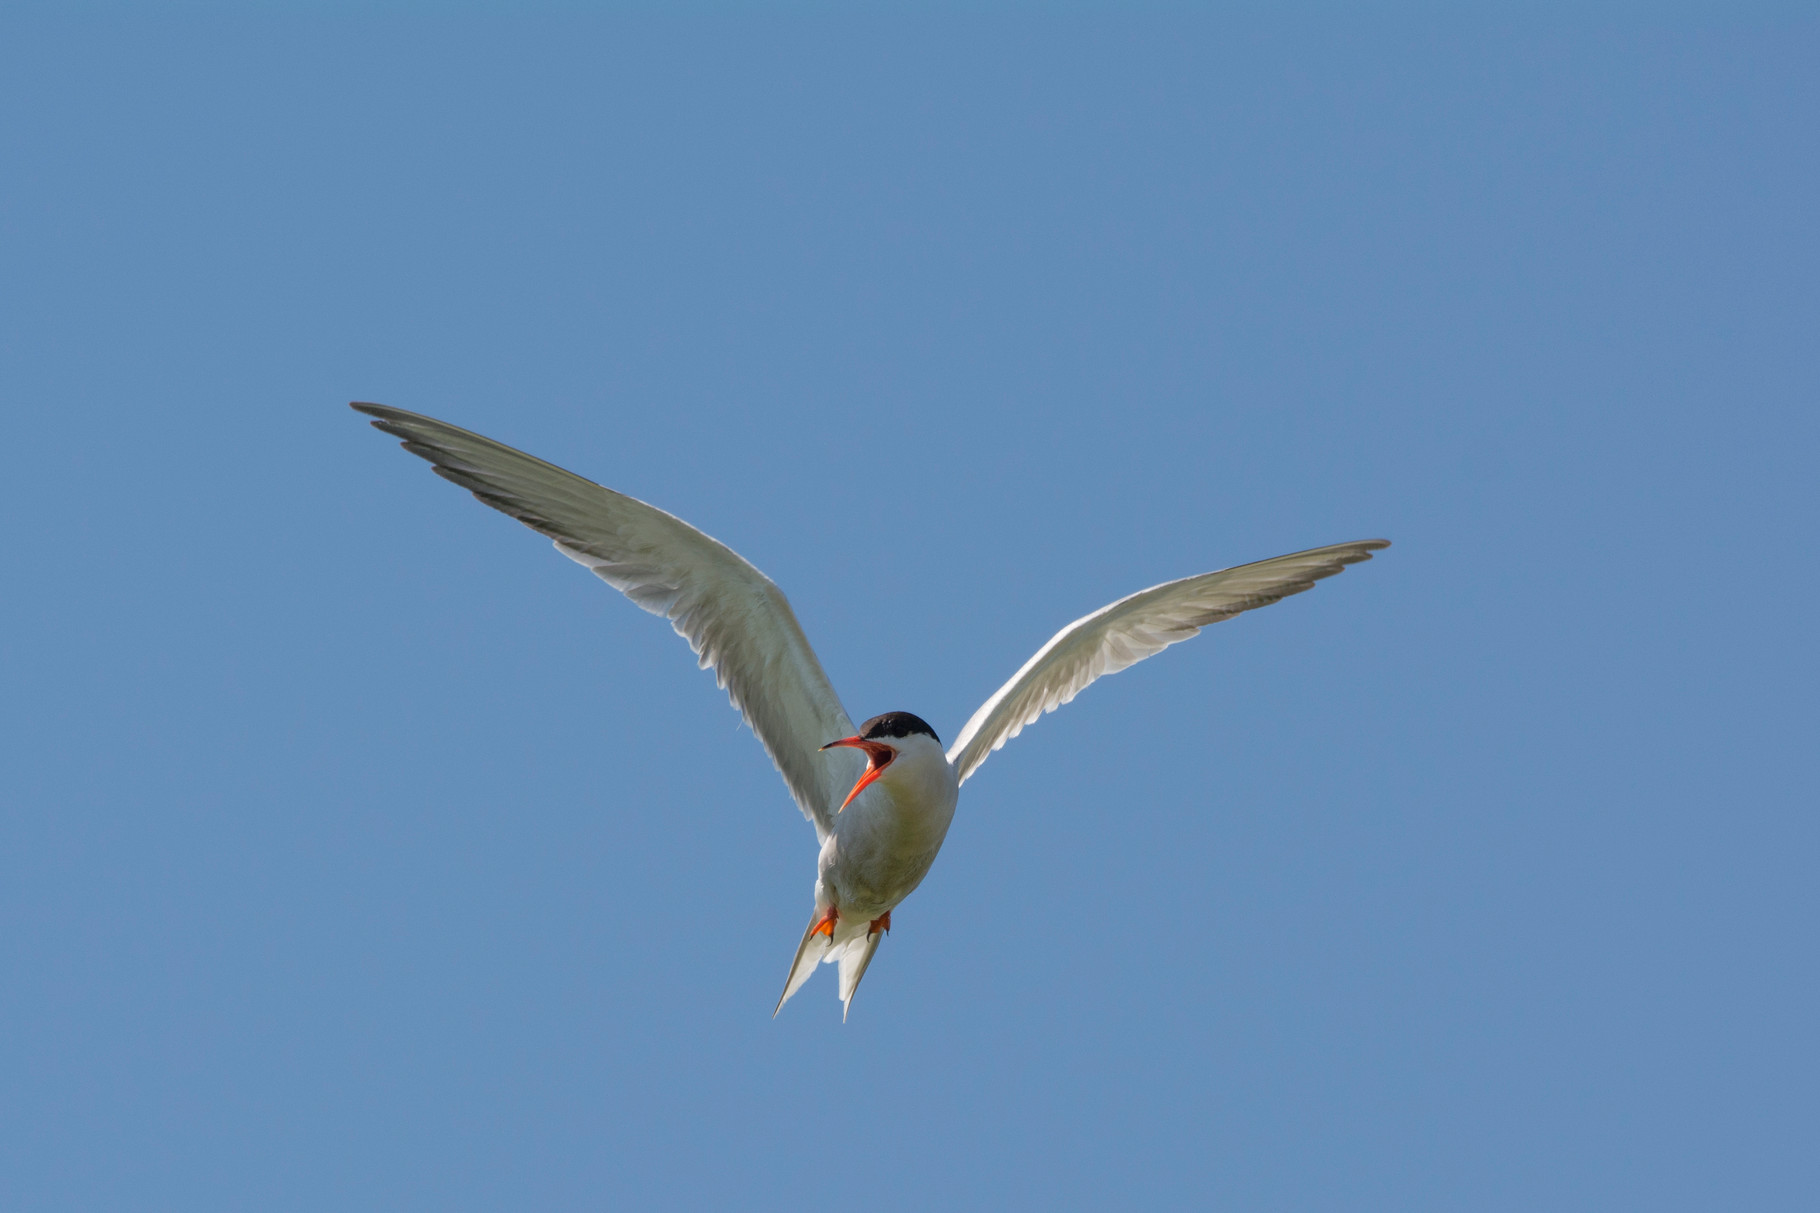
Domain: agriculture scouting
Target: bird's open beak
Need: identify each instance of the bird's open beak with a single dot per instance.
(878, 757)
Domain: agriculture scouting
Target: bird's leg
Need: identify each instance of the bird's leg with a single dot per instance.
(881, 923)
(825, 924)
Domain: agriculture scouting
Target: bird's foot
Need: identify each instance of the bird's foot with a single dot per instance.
(825, 924)
(881, 923)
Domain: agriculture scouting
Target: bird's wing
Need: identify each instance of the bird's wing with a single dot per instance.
(733, 616)
(1134, 628)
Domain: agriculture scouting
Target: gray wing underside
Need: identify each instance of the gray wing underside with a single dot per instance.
(1131, 629)
(735, 619)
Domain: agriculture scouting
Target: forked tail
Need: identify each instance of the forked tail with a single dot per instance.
(825, 942)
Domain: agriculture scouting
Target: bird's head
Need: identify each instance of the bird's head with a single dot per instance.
(889, 740)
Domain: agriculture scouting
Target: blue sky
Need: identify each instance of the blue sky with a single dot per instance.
(357, 851)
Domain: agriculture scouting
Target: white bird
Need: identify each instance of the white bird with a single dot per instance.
(879, 823)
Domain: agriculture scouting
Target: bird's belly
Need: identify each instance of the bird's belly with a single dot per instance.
(878, 858)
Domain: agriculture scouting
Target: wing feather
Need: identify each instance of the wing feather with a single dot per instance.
(736, 620)
(1127, 631)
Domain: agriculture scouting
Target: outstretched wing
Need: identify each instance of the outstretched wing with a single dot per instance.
(1134, 628)
(733, 616)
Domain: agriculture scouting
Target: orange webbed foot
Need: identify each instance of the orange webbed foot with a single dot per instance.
(825, 924)
(881, 923)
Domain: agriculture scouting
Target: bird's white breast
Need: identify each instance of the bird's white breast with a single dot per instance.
(883, 843)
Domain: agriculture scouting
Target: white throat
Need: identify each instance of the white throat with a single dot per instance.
(920, 774)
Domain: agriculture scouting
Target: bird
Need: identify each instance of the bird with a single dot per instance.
(881, 795)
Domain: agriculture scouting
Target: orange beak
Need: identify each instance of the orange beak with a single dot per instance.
(878, 757)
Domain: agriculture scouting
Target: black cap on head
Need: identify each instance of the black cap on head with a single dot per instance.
(895, 724)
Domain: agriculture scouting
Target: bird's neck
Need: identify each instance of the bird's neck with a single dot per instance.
(921, 775)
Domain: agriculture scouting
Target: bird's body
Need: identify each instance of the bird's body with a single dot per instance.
(880, 825)
(881, 846)
(883, 843)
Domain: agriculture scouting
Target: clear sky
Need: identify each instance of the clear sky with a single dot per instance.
(357, 851)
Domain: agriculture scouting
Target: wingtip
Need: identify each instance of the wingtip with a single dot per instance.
(1359, 550)
(385, 412)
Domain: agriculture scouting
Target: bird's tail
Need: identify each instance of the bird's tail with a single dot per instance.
(852, 947)
(855, 955)
(809, 953)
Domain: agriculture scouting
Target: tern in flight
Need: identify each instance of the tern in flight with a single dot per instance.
(881, 795)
